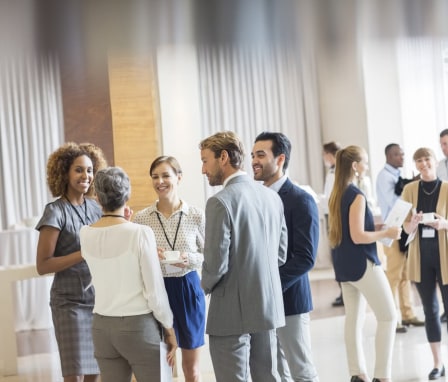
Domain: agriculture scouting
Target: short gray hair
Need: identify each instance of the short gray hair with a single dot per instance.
(112, 187)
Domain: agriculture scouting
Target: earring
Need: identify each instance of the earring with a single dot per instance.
(357, 174)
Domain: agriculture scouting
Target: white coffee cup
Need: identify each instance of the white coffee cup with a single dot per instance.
(428, 216)
(172, 255)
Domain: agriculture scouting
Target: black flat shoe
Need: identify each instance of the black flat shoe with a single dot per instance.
(436, 373)
(338, 301)
(375, 380)
(355, 378)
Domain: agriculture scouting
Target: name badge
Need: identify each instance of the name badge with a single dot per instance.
(428, 233)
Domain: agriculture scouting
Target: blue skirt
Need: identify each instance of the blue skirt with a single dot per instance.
(187, 301)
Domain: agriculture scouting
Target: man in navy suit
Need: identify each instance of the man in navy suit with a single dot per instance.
(270, 159)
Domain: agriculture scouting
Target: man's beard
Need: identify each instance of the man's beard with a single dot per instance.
(216, 179)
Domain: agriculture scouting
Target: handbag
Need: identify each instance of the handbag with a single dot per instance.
(402, 242)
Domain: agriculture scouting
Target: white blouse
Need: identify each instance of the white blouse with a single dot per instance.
(125, 271)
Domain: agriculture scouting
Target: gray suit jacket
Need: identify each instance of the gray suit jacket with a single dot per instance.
(245, 242)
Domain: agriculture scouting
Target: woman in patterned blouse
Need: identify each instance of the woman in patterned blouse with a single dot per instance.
(179, 227)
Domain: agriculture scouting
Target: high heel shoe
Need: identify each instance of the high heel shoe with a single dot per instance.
(436, 373)
(355, 378)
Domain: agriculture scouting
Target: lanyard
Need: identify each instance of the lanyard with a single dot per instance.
(84, 222)
(164, 232)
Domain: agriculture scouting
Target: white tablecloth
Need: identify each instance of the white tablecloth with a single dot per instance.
(32, 310)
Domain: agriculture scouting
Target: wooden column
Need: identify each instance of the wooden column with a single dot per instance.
(135, 122)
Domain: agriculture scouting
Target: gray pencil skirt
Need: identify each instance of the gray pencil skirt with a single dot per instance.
(126, 345)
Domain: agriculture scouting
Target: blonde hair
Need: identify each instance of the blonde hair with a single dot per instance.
(424, 152)
(344, 174)
(225, 141)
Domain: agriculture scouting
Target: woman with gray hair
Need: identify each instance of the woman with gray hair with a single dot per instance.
(131, 303)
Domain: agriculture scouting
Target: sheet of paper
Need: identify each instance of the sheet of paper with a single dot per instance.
(170, 269)
(166, 373)
(396, 218)
(411, 237)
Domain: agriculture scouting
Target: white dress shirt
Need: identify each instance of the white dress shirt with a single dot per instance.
(442, 169)
(385, 188)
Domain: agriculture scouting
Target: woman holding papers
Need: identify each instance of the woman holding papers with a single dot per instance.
(427, 254)
(357, 267)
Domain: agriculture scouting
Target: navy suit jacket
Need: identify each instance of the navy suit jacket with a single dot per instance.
(302, 221)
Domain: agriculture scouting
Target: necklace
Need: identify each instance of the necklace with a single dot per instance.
(86, 218)
(429, 193)
(164, 232)
(113, 216)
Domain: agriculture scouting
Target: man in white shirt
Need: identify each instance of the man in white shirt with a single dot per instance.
(396, 259)
(442, 167)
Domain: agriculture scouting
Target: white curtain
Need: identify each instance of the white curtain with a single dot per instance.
(422, 81)
(31, 127)
(250, 89)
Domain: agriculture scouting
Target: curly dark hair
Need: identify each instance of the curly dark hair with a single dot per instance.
(59, 163)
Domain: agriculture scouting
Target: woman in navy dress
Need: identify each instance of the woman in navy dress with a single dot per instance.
(70, 172)
(179, 227)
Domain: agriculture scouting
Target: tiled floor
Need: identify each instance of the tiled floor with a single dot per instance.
(38, 361)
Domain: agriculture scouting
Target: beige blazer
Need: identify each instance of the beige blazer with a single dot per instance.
(410, 194)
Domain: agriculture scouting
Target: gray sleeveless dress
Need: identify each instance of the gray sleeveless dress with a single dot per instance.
(72, 297)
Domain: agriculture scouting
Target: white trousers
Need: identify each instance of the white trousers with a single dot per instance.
(374, 289)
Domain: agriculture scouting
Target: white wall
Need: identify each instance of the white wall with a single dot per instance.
(180, 116)
(360, 104)
(397, 110)
(382, 102)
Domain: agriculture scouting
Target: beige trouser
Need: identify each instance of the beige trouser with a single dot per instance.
(397, 277)
(371, 288)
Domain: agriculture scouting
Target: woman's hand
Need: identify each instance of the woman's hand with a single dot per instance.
(160, 253)
(416, 218)
(171, 342)
(184, 261)
(439, 223)
(128, 213)
(393, 232)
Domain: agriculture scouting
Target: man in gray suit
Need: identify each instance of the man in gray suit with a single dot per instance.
(245, 242)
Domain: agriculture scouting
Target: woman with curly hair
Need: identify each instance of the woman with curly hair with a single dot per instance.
(70, 172)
